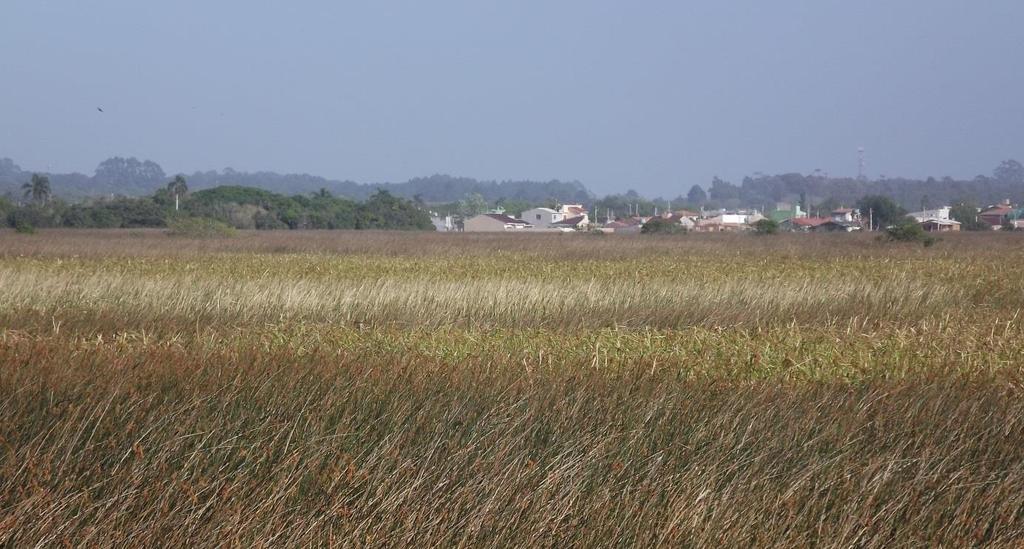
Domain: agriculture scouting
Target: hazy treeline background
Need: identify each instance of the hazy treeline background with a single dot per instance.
(132, 177)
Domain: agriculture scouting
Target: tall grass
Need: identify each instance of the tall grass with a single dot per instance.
(505, 302)
(178, 447)
(464, 390)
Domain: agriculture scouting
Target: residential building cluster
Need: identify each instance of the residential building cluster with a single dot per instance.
(792, 218)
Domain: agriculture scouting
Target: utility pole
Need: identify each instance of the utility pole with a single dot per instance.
(871, 219)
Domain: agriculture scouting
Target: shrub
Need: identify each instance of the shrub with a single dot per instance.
(766, 226)
(199, 227)
(24, 228)
(909, 230)
(33, 216)
(659, 225)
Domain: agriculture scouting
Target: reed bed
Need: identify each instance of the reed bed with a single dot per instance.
(460, 390)
(171, 446)
(496, 303)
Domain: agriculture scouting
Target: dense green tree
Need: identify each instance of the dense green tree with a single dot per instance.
(697, 196)
(882, 211)
(623, 205)
(472, 204)
(34, 215)
(660, 225)
(386, 211)
(125, 213)
(324, 211)
(1009, 171)
(130, 173)
(513, 206)
(825, 207)
(723, 192)
(966, 212)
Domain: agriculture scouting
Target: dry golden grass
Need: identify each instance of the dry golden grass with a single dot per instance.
(417, 390)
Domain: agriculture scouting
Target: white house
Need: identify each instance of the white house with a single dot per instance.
(736, 218)
(940, 213)
(936, 225)
(578, 223)
(722, 223)
(572, 210)
(847, 215)
(542, 217)
(494, 223)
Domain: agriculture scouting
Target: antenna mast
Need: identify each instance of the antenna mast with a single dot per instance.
(860, 164)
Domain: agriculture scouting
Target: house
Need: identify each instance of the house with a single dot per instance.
(996, 215)
(627, 225)
(936, 225)
(738, 218)
(754, 218)
(578, 223)
(802, 224)
(722, 223)
(688, 222)
(494, 223)
(572, 210)
(789, 212)
(726, 220)
(848, 215)
(836, 226)
(686, 213)
(939, 213)
(542, 217)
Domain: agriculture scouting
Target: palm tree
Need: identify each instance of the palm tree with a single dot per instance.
(38, 189)
(178, 187)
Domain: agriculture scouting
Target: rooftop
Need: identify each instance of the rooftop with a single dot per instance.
(1000, 209)
(570, 222)
(940, 221)
(506, 219)
(809, 221)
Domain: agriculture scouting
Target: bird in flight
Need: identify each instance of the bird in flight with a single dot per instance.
(99, 109)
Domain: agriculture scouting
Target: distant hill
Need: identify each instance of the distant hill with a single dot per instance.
(132, 177)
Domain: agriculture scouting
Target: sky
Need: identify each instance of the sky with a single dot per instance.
(648, 95)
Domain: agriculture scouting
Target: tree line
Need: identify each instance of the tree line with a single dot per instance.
(815, 193)
(817, 190)
(132, 177)
(235, 206)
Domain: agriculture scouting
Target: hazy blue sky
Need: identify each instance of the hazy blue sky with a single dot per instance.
(650, 95)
